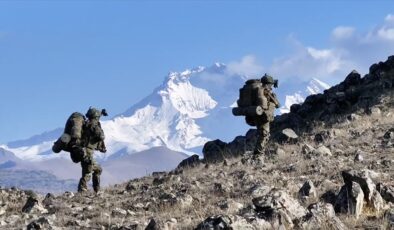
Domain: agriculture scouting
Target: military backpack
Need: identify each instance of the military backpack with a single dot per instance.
(252, 102)
(72, 139)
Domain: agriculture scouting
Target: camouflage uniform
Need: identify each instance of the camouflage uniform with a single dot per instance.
(94, 140)
(263, 121)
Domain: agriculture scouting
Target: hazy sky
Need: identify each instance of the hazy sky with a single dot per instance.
(57, 57)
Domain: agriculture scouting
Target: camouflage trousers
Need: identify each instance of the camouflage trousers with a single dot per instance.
(263, 134)
(89, 166)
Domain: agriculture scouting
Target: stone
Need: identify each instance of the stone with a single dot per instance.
(376, 203)
(279, 205)
(323, 151)
(363, 178)
(41, 223)
(322, 136)
(3, 209)
(49, 199)
(359, 158)
(389, 134)
(131, 186)
(32, 205)
(230, 206)
(220, 222)
(152, 225)
(191, 161)
(389, 217)
(307, 149)
(69, 194)
(307, 190)
(214, 151)
(386, 191)
(322, 214)
(171, 224)
(185, 200)
(289, 135)
(350, 200)
(259, 190)
(353, 117)
(118, 212)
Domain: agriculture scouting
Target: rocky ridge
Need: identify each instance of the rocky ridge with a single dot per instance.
(328, 166)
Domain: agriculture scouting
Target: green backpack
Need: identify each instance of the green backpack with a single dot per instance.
(73, 130)
(251, 102)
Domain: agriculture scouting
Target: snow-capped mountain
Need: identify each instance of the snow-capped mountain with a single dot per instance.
(187, 110)
(314, 86)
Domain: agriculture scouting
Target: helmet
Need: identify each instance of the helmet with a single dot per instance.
(93, 113)
(267, 79)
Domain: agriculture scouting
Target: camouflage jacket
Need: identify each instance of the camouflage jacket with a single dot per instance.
(94, 135)
(272, 104)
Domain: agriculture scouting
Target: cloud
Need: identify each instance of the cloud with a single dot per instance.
(248, 66)
(389, 18)
(348, 49)
(343, 32)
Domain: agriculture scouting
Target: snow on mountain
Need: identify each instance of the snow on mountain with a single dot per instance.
(187, 110)
(314, 86)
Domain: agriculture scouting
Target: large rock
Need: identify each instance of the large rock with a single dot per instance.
(190, 161)
(288, 135)
(389, 217)
(322, 214)
(220, 222)
(363, 179)
(386, 191)
(279, 205)
(308, 190)
(350, 200)
(32, 205)
(215, 151)
(152, 225)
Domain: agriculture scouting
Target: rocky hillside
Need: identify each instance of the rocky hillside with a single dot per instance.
(328, 166)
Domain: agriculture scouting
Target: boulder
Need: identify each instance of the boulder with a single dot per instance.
(350, 200)
(322, 136)
(363, 179)
(308, 190)
(307, 149)
(389, 217)
(386, 191)
(214, 151)
(220, 222)
(276, 206)
(259, 190)
(322, 214)
(191, 161)
(41, 223)
(288, 135)
(376, 203)
(152, 225)
(32, 205)
(171, 224)
(359, 157)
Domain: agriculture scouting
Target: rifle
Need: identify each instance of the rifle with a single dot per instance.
(101, 147)
(270, 96)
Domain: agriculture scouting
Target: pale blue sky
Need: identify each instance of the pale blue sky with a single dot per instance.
(57, 57)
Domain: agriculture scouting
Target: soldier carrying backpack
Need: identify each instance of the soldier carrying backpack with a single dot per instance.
(257, 103)
(82, 136)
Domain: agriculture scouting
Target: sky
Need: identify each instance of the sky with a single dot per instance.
(57, 57)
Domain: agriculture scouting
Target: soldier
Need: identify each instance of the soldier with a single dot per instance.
(263, 122)
(93, 136)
